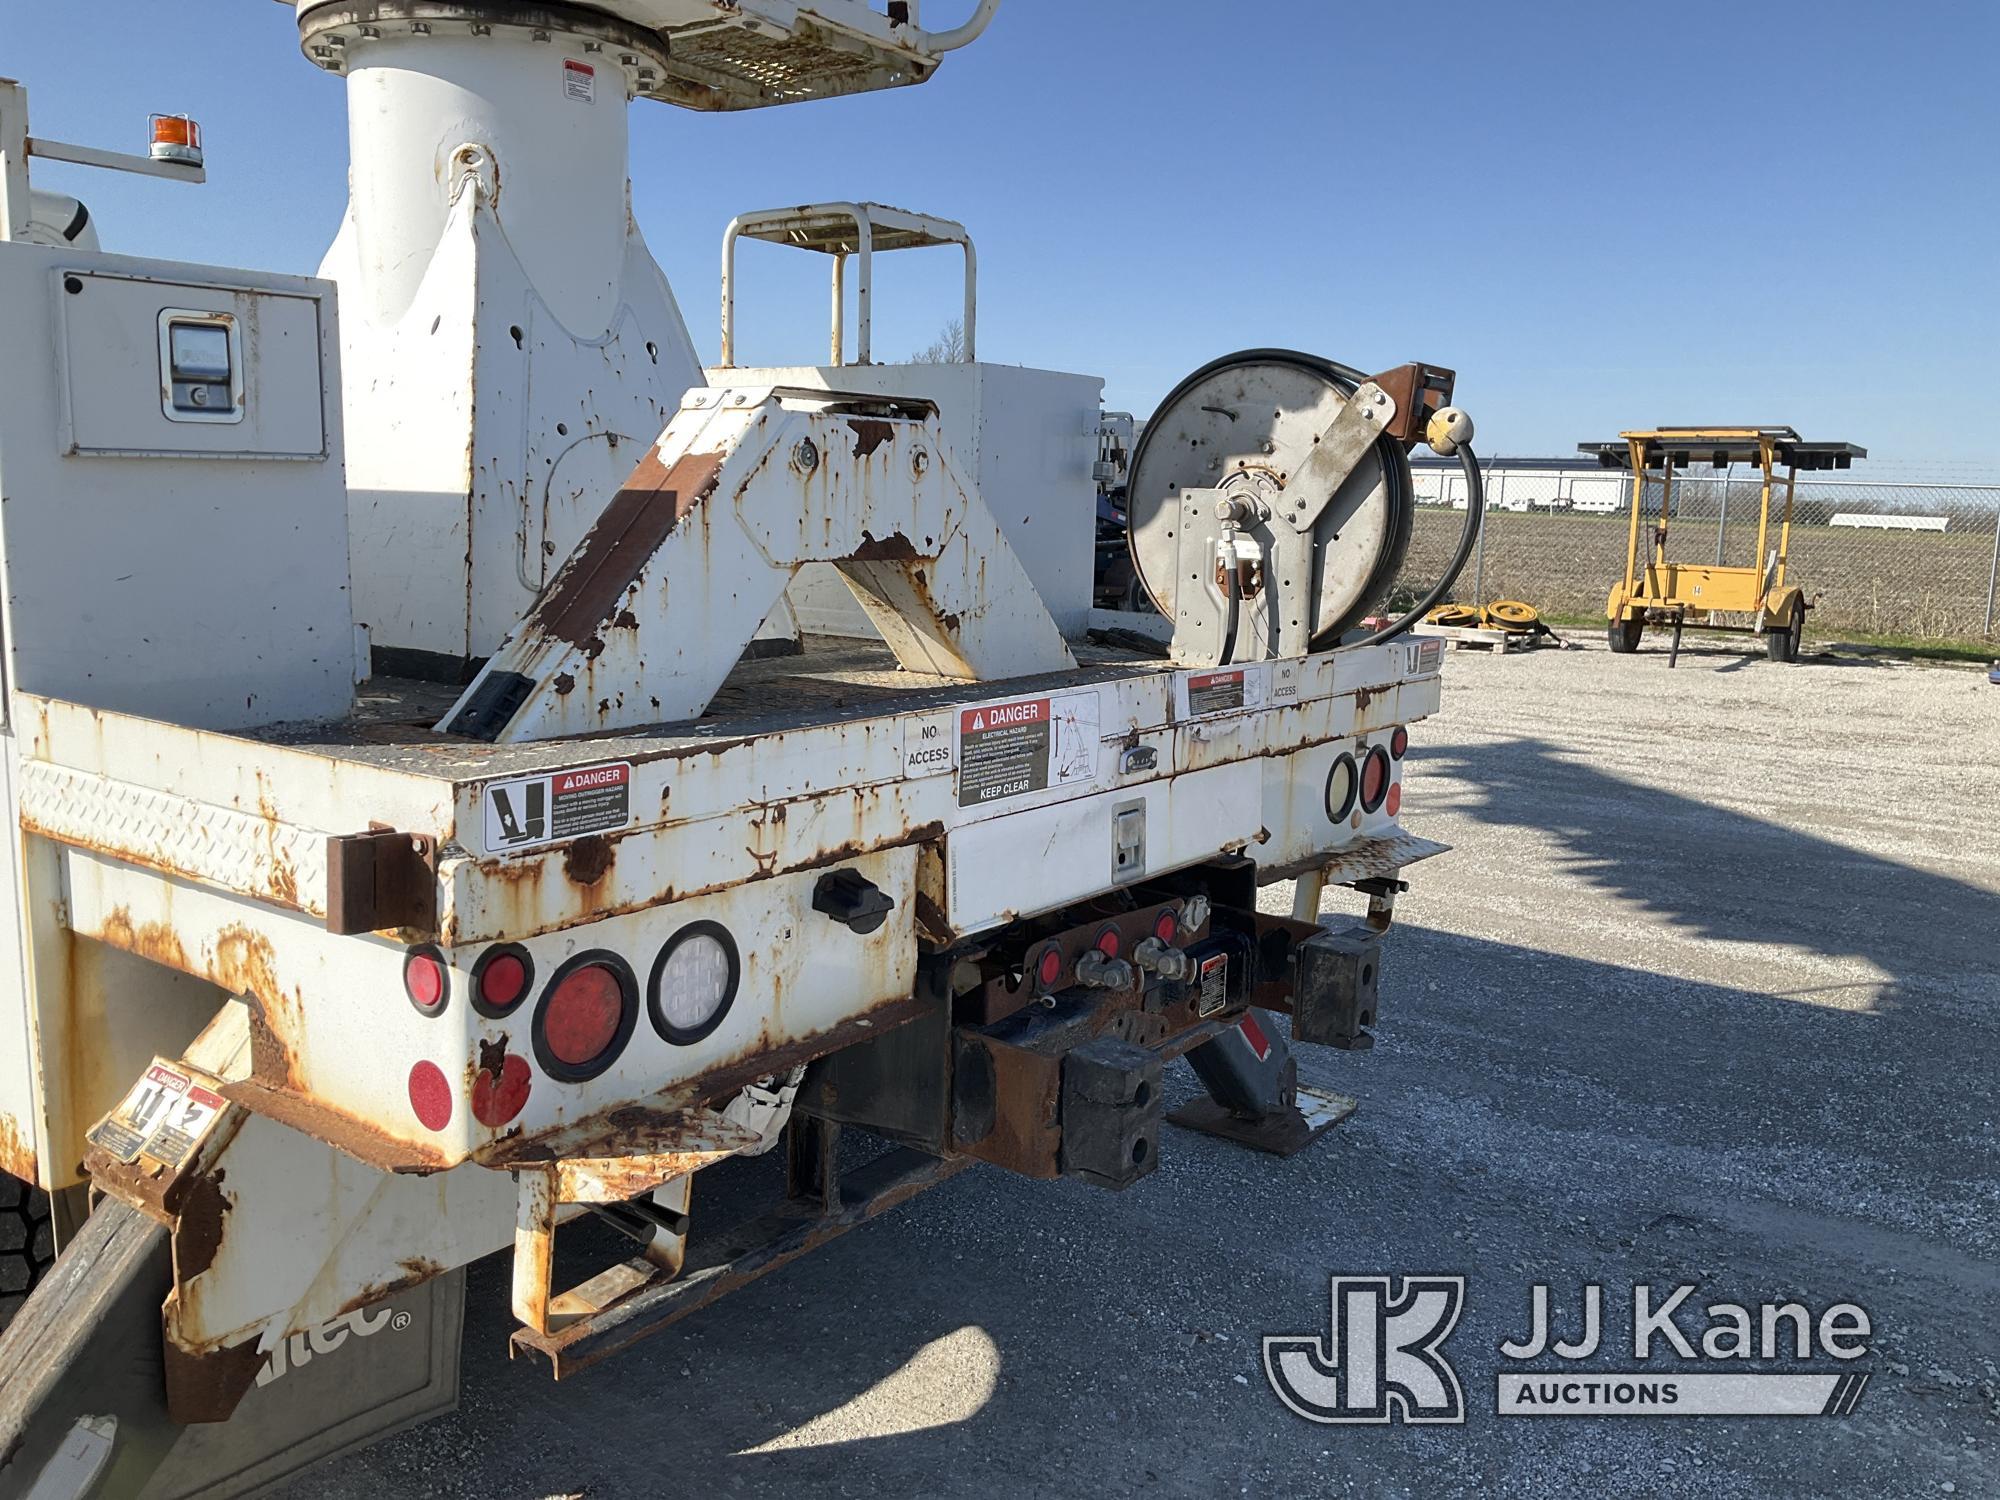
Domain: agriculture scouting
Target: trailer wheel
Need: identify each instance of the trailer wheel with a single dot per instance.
(27, 1242)
(1783, 643)
(1624, 634)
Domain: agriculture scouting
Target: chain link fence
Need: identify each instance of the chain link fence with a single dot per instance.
(1908, 562)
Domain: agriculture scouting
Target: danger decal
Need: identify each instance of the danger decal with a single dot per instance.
(533, 810)
(1026, 745)
(164, 1118)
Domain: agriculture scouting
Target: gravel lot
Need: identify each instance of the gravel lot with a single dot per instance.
(1707, 992)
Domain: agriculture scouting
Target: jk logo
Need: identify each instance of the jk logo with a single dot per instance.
(1381, 1356)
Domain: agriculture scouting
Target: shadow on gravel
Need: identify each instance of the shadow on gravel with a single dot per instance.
(1727, 877)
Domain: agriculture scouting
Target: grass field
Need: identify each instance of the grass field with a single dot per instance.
(1920, 588)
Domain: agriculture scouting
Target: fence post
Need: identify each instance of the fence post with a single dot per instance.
(1722, 519)
(1479, 552)
(1993, 572)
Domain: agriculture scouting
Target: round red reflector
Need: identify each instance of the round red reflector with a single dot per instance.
(1399, 742)
(581, 1016)
(424, 980)
(1167, 926)
(503, 981)
(1395, 802)
(1374, 779)
(430, 1096)
(1049, 967)
(1109, 942)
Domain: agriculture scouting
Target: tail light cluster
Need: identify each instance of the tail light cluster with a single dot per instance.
(1368, 781)
(582, 1021)
(1052, 964)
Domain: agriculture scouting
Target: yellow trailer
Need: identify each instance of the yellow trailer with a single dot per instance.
(1658, 589)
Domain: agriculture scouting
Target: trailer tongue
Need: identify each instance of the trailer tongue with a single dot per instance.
(733, 769)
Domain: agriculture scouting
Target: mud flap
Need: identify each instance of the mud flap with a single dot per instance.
(83, 1405)
(345, 1385)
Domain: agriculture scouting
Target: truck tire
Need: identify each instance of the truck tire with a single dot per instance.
(27, 1242)
(1624, 634)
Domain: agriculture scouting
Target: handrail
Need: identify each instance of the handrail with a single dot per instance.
(777, 223)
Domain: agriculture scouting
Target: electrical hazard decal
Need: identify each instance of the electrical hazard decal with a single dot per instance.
(164, 1118)
(532, 810)
(1026, 745)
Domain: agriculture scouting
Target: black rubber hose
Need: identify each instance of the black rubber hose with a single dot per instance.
(1475, 517)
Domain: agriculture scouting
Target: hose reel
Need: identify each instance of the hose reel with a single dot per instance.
(1270, 500)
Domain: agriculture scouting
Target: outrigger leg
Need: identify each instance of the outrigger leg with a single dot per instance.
(1254, 1095)
(83, 1405)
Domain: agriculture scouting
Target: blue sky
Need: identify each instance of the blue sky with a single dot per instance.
(1601, 214)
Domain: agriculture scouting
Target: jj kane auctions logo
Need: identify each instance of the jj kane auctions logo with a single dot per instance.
(1382, 1358)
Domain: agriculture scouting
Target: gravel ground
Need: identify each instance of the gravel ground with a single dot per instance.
(1706, 992)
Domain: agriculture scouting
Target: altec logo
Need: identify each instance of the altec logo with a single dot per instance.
(1381, 1358)
(298, 1350)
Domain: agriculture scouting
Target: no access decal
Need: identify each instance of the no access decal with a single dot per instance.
(533, 810)
(1026, 745)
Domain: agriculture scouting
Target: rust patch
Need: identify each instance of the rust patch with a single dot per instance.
(870, 433)
(361, 1139)
(612, 554)
(895, 547)
(153, 940)
(17, 1151)
(198, 1234)
(589, 860)
(564, 682)
(628, 1127)
(206, 1386)
(416, 1269)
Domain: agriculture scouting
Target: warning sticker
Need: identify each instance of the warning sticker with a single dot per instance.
(533, 810)
(1222, 691)
(579, 81)
(1027, 745)
(163, 1118)
(1214, 986)
(927, 746)
(1426, 655)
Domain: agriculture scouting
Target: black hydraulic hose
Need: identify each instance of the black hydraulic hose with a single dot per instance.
(1475, 517)
(1232, 612)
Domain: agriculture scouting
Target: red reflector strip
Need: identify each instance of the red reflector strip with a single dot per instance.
(1254, 1035)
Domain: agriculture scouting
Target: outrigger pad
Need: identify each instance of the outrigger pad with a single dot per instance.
(662, 595)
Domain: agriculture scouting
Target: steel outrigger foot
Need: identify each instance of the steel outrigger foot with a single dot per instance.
(1255, 1098)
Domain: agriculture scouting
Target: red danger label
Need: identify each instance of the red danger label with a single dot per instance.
(1003, 716)
(598, 778)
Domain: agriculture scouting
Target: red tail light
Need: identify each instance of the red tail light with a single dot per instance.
(585, 1017)
(426, 980)
(1167, 925)
(1109, 942)
(501, 979)
(1049, 967)
(1374, 779)
(1399, 742)
(1395, 802)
